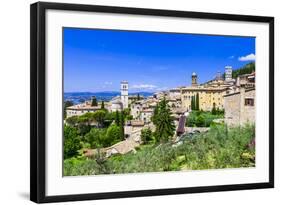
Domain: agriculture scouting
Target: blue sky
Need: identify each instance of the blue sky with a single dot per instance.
(97, 60)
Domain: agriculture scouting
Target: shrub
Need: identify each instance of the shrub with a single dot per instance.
(96, 137)
(113, 135)
(146, 135)
(221, 147)
(71, 142)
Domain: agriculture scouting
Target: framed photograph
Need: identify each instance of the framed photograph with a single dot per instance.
(129, 102)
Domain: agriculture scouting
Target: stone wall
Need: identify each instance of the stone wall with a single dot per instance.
(236, 111)
(248, 112)
(232, 109)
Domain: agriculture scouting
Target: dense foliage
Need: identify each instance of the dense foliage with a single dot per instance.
(94, 130)
(163, 121)
(247, 69)
(203, 118)
(71, 142)
(146, 135)
(221, 147)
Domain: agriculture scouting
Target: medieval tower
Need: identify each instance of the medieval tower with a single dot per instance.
(124, 94)
(228, 73)
(194, 79)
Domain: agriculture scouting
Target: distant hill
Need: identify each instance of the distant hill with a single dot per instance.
(78, 97)
(246, 69)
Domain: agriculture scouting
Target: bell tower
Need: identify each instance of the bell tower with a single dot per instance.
(194, 79)
(228, 73)
(124, 93)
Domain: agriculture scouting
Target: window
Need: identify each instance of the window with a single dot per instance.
(249, 102)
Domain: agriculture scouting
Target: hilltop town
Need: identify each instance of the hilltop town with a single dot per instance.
(235, 97)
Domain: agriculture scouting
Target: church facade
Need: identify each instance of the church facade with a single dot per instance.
(210, 93)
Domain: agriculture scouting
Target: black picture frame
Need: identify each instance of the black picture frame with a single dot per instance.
(38, 103)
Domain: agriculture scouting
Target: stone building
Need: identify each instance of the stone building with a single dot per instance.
(80, 109)
(116, 105)
(208, 97)
(146, 115)
(240, 107)
(121, 102)
(210, 93)
(136, 109)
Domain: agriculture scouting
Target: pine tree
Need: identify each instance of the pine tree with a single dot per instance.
(163, 122)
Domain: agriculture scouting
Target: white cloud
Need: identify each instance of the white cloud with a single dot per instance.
(144, 86)
(162, 88)
(250, 57)
(231, 57)
(108, 83)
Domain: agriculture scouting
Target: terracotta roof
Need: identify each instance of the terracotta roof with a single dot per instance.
(147, 110)
(124, 147)
(83, 107)
(137, 123)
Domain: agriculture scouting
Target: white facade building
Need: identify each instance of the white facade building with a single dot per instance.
(228, 73)
(124, 94)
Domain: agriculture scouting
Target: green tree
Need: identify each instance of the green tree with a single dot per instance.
(72, 121)
(197, 102)
(200, 121)
(71, 142)
(99, 117)
(94, 101)
(96, 137)
(86, 118)
(138, 96)
(214, 110)
(246, 69)
(129, 117)
(146, 135)
(193, 103)
(122, 124)
(163, 122)
(113, 135)
(117, 118)
(155, 115)
(102, 105)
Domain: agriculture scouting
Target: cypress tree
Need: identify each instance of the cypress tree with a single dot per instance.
(192, 103)
(102, 105)
(122, 124)
(197, 101)
(117, 118)
(94, 101)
